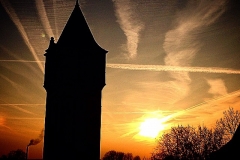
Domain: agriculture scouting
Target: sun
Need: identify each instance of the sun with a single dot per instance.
(151, 127)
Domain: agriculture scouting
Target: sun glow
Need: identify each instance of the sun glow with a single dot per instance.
(151, 127)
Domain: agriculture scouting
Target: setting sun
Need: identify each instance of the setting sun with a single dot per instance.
(151, 127)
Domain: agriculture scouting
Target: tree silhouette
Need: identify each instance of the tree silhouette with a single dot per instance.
(196, 143)
(16, 155)
(187, 143)
(3, 157)
(136, 158)
(114, 155)
(230, 150)
(229, 123)
(128, 156)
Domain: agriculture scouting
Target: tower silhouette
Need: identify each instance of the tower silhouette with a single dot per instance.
(74, 79)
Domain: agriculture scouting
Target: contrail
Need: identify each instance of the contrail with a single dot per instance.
(24, 118)
(17, 108)
(221, 98)
(21, 61)
(159, 68)
(22, 110)
(55, 19)
(15, 104)
(7, 6)
(44, 18)
(16, 58)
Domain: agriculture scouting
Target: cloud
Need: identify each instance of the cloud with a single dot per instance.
(165, 93)
(217, 87)
(129, 23)
(181, 44)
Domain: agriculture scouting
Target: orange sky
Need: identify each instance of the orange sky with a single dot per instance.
(169, 62)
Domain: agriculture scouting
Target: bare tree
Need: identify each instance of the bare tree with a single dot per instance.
(128, 156)
(110, 155)
(17, 155)
(196, 143)
(228, 123)
(136, 158)
(187, 143)
(114, 155)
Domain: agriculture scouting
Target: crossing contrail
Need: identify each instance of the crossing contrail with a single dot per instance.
(16, 20)
(158, 68)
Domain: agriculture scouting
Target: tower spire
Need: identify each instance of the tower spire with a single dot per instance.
(77, 4)
(77, 26)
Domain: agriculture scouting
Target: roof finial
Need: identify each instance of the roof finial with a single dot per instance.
(77, 3)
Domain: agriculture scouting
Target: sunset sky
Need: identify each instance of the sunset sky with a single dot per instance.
(169, 63)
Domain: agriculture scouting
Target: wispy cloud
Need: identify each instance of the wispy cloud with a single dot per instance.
(129, 23)
(181, 43)
(217, 87)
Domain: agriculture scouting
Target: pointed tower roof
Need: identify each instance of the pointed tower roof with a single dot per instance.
(76, 33)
